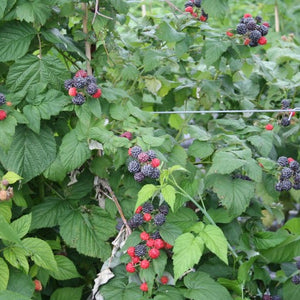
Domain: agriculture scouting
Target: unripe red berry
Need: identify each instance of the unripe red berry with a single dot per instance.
(72, 91)
(195, 15)
(130, 251)
(8, 103)
(168, 246)
(150, 243)
(144, 287)
(159, 244)
(266, 24)
(139, 209)
(81, 73)
(144, 236)
(5, 182)
(145, 264)
(290, 159)
(3, 115)
(262, 40)
(228, 33)
(130, 268)
(292, 112)
(97, 94)
(164, 279)
(189, 9)
(155, 162)
(135, 260)
(147, 217)
(247, 15)
(247, 41)
(269, 127)
(154, 253)
(37, 285)
(203, 18)
(127, 135)
(129, 151)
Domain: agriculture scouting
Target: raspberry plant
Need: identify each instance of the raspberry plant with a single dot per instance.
(197, 198)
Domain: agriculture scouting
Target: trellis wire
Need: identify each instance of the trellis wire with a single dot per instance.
(225, 111)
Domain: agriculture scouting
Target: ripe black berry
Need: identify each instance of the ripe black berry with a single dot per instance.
(155, 174)
(254, 35)
(285, 121)
(278, 186)
(263, 30)
(294, 165)
(258, 19)
(159, 219)
(248, 20)
(2, 99)
(251, 25)
(189, 3)
(285, 103)
(79, 99)
(253, 43)
(276, 297)
(147, 170)
(148, 207)
(241, 28)
(92, 88)
(79, 82)
(286, 185)
(134, 166)
(136, 220)
(286, 173)
(69, 83)
(119, 224)
(297, 178)
(135, 151)
(296, 279)
(155, 235)
(140, 250)
(90, 79)
(296, 186)
(298, 264)
(197, 3)
(164, 209)
(139, 176)
(151, 154)
(283, 161)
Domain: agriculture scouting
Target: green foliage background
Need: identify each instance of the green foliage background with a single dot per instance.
(237, 235)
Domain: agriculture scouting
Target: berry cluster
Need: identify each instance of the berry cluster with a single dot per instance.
(193, 6)
(286, 116)
(269, 297)
(151, 243)
(143, 164)
(81, 81)
(6, 192)
(289, 176)
(253, 30)
(3, 114)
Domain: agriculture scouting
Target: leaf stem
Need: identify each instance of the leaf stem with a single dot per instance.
(88, 52)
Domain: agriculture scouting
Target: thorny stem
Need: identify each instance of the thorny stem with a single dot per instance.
(203, 210)
(87, 43)
(113, 197)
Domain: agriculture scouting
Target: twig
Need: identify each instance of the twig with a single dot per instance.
(40, 46)
(113, 197)
(87, 44)
(99, 14)
(173, 6)
(277, 26)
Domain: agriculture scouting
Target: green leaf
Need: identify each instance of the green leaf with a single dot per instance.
(169, 194)
(31, 70)
(225, 163)
(117, 289)
(187, 250)
(160, 263)
(73, 293)
(3, 4)
(30, 153)
(7, 131)
(263, 143)
(4, 271)
(34, 118)
(120, 5)
(152, 84)
(268, 239)
(87, 230)
(170, 232)
(21, 225)
(168, 293)
(216, 8)
(7, 232)
(73, 152)
(214, 49)
(243, 272)
(183, 218)
(201, 149)
(35, 11)
(4, 295)
(201, 287)
(119, 112)
(5, 210)
(291, 291)
(234, 194)
(215, 241)
(40, 252)
(145, 193)
(15, 40)
(167, 33)
(292, 225)
(49, 213)
(17, 258)
(11, 177)
(178, 156)
(65, 269)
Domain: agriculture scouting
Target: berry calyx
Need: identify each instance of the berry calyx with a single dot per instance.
(81, 73)
(97, 94)
(159, 244)
(37, 285)
(155, 162)
(189, 9)
(144, 287)
(269, 127)
(138, 209)
(154, 253)
(150, 243)
(230, 34)
(144, 236)
(130, 251)
(147, 217)
(72, 91)
(164, 279)
(145, 264)
(130, 268)
(262, 40)
(3, 115)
